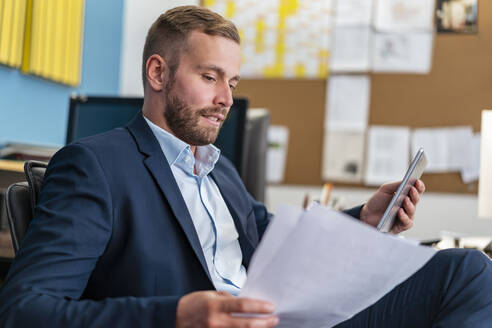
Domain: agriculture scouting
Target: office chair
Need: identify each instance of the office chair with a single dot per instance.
(21, 199)
(3, 212)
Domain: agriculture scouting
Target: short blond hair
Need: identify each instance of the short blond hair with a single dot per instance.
(168, 34)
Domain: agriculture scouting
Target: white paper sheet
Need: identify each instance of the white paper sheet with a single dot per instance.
(324, 267)
(388, 154)
(470, 172)
(448, 149)
(460, 151)
(351, 49)
(278, 231)
(435, 143)
(347, 105)
(354, 12)
(394, 15)
(278, 140)
(402, 52)
(343, 155)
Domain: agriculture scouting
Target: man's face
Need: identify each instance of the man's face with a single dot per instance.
(198, 97)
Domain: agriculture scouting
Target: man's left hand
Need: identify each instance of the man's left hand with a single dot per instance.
(374, 209)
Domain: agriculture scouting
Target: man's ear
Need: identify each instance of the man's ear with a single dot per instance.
(157, 70)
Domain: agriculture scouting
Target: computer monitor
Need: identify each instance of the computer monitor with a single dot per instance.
(231, 137)
(90, 115)
(255, 147)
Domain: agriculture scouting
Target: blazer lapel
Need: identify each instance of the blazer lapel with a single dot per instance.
(157, 164)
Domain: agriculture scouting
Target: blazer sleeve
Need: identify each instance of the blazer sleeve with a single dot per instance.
(70, 231)
(354, 212)
(262, 216)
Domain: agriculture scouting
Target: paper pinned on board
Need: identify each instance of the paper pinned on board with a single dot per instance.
(347, 105)
(448, 149)
(343, 156)
(278, 141)
(436, 145)
(309, 266)
(354, 12)
(352, 36)
(300, 33)
(402, 52)
(460, 153)
(351, 49)
(471, 171)
(407, 15)
(388, 154)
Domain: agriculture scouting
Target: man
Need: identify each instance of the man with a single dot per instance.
(149, 226)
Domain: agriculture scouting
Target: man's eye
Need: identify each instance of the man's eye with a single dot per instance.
(233, 87)
(209, 78)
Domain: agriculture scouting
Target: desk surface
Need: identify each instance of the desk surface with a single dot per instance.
(13, 166)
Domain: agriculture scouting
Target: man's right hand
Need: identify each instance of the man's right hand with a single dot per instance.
(209, 309)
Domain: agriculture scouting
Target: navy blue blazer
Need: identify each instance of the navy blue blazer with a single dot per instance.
(112, 243)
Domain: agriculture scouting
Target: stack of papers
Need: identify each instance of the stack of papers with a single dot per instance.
(322, 267)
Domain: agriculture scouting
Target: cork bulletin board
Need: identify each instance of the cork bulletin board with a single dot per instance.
(458, 87)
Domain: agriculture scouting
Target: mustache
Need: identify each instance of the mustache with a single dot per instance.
(214, 110)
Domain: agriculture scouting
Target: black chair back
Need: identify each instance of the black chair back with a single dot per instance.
(21, 199)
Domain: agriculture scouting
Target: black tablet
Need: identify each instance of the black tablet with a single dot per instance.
(414, 173)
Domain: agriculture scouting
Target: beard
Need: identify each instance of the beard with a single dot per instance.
(184, 121)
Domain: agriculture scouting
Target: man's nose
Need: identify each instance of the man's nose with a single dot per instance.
(224, 95)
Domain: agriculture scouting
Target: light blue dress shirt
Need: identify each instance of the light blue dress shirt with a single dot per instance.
(213, 221)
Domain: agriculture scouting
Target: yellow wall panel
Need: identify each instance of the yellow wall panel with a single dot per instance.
(17, 43)
(47, 65)
(42, 35)
(76, 55)
(27, 47)
(1, 17)
(54, 39)
(39, 33)
(67, 53)
(13, 33)
(60, 39)
(32, 57)
(12, 22)
(1, 21)
(6, 31)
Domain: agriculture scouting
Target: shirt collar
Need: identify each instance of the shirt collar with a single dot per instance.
(178, 152)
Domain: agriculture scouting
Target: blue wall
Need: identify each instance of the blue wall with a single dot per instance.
(34, 110)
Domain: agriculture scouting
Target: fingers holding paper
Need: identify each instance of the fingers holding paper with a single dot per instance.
(220, 309)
